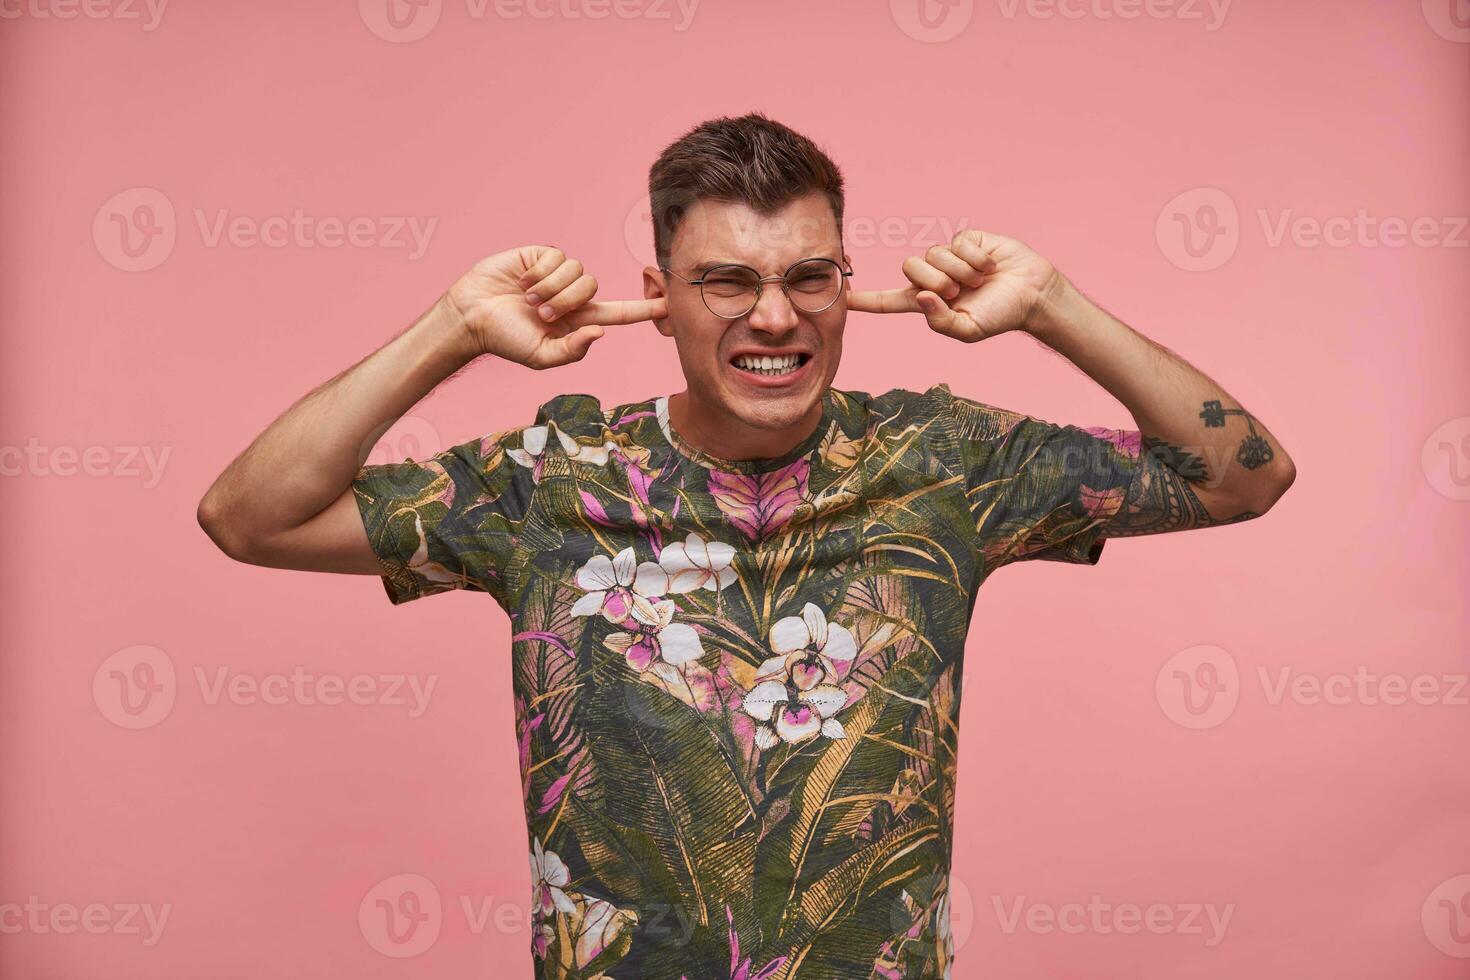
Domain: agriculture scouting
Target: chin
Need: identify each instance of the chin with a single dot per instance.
(773, 413)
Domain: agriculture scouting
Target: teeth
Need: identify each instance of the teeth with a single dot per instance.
(770, 366)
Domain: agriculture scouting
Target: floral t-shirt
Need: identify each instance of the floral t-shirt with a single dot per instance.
(737, 683)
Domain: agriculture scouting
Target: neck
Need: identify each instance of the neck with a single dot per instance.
(724, 437)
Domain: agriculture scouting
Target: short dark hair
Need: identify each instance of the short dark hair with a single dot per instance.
(749, 159)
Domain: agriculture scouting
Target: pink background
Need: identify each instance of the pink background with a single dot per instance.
(1333, 832)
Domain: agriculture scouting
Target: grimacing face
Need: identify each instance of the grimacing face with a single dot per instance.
(744, 413)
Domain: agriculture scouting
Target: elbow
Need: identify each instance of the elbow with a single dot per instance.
(1285, 477)
(1282, 477)
(1288, 474)
(216, 522)
(1245, 503)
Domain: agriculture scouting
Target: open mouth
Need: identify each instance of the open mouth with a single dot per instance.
(770, 367)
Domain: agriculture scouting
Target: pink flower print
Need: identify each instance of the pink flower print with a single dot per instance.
(760, 504)
(655, 637)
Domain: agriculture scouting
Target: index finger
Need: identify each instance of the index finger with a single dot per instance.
(618, 311)
(884, 301)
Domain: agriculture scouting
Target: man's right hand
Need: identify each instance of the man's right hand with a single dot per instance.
(533, 305)
(288, 502)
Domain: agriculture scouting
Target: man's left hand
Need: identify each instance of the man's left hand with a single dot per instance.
(980, 285)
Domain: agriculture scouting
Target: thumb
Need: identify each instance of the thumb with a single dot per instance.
(941, 318)
(574, 346)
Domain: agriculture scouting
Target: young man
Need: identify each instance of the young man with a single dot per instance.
(739, 611)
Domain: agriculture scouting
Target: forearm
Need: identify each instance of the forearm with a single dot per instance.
(1190, 423)
(309, 456)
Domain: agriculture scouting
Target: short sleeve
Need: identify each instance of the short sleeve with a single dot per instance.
(450, 521)
(1036, 489)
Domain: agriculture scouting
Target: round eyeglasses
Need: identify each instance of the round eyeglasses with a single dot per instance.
(732, 291)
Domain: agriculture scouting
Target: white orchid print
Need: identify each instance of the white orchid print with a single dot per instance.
(595, 924)
(808, 649)
(655, 639)
(420, 562)
(600, 925)
(533, 443)
(794, 700)
(785, 713)
(533, 446)
(942, 930)
(613, 585)
(695, 563)
(549, 875)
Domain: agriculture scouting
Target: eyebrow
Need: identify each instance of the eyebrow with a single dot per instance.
(704, 267)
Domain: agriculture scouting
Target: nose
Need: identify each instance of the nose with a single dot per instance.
(773, 312)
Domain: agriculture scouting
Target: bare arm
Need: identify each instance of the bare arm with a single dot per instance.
(1206, 461)
(287, 501)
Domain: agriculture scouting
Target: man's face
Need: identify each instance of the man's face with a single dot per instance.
(717, 232)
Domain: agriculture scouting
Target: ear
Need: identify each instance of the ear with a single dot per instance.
(654, 287)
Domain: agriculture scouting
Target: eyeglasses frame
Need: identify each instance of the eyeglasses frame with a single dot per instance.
(762, 280)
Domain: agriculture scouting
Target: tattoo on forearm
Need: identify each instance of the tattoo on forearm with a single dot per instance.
(1161, 499)
(1255, 451)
